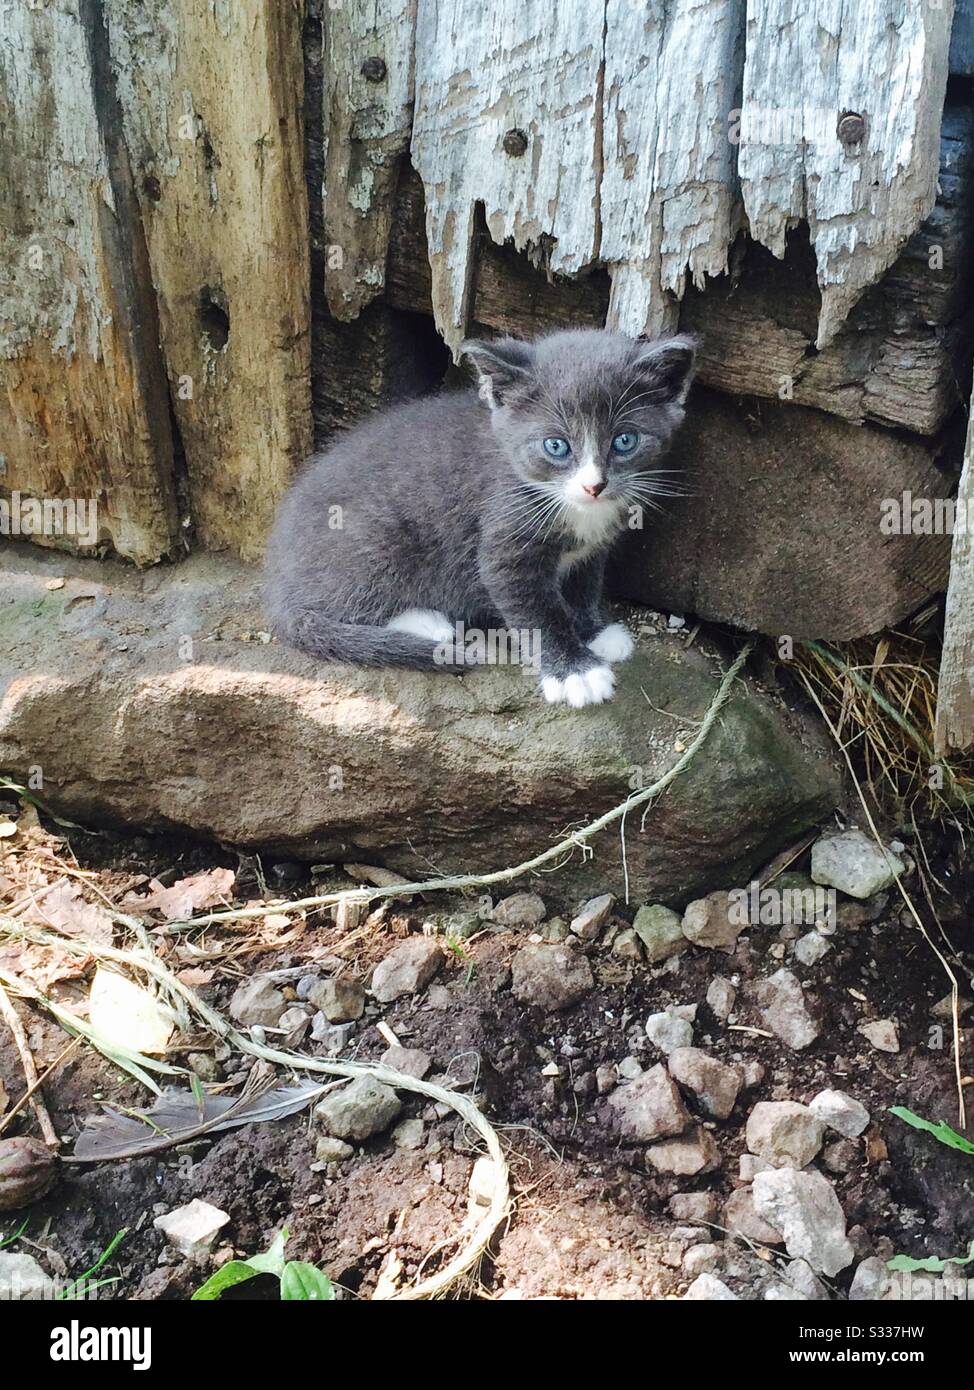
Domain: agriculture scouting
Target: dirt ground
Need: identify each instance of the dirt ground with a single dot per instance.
(588, 1218)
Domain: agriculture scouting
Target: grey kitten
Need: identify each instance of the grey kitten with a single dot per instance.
(490, 509)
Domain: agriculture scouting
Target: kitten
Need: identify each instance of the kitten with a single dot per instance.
(492, 508)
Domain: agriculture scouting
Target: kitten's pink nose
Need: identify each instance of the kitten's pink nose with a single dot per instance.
(593, 489)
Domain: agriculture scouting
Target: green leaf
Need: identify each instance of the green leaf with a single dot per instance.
(941, 1131)
(303, 1282)
(932, 1264)
(234, 1272)
(272, 1260)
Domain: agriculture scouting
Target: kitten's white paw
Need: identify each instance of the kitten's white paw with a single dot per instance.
(582, 688)
(613, 643)
(424, 622)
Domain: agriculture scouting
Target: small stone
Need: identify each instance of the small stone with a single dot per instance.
(630, 1068)
(331, 1150)
(707, 1288)
(753, 1074)
(854, 863)
(694, 1206)
(749, 1165)
(460, 926)
(591, 916)
(741, 1219)
(23, 1279)
(714, 1083)
(407, 969)
(483, 1181)
(626, 945)
(685, 1156)
(851, 915)
(784, 1133)
(334, 1036)
(520, 910)
(714, 922)
(649, 1108)
(660, 931)
(810, 948)
(870, 1281)
(882, 1033)
(555, 930)
(841, 1112)
(295, 1023)
(944, 1008)
(193, 1228)
(721, 997)
(804, 1207)
(363, 1108)
(410, 1060)
(606, 1077)
(550, 977)
(585, 1085)
(205, 1065)
(408, 1134)
(305, 985)
(341, 1001)
(780, 1000)
(702, 1259)
(257, 1001)
(439, 997)
(668, 1031)
(800, 1275)
(842, 1156)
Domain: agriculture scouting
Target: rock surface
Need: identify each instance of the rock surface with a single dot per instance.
(780, 1000)
(715, 1084)
(715, 922)
(550, 977)
(649, 1108)
(686, 1155)
(363, 1108)
(854, 863)
(804, 1207)
(708, 1288)
(407, 968)
(784, 1133)
(181, 720)
(668, 1031)
(257, 1001)
(660, 930)
(841, 1112)
(192, 1229)
(341, 1001)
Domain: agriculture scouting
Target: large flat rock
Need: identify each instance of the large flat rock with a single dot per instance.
(149, 700)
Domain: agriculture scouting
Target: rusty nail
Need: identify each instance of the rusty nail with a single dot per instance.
(374, 69)
(851, 129)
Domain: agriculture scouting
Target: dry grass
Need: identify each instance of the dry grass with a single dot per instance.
(880, 694)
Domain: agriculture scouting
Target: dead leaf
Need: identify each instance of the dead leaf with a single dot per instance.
(125, 1013)
(193, 976)
(187, 896)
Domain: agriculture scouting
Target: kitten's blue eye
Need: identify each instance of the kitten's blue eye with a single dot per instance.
(626, 442)
(557, 448)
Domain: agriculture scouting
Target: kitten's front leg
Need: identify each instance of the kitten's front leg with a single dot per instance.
(529, 597)
(582, 587)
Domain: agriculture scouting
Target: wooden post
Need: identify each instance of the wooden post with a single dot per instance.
(955, 698)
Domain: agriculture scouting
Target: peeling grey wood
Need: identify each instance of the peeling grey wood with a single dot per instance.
(525, 67)
(955, 697)
(83, 401)
(367, 118)
(669, 195)
(808, 63)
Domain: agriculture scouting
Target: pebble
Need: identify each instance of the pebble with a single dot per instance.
(649, 1108)
(784, 1133)
(591, 916)
(22, 1278)
(842, 1156)
(870, 1281)
(882, 1033)
(331, 1150)
(630, 1068)
(411, 1060)
(721, 997)
(668, 1031)
(626, 945)
(550, 977)
(409, 1134)
(520, 910)
(741, 1219)
(205, 1065)
(295, 1023)
(714, 922)
(800, 1275)
(334, 1036)
(193, 1228)
(749, 1165)
(363, 1108)
(804, 1207)
(407, 969)
(841, 1112)
(702, 1259)
(810, 948)
(694, 1206)
(341, 1001)
(707, 1288)
(257, 1001)
(780, 1000)
(714, 1083)
(606, 1077)
(854, 863)
(660, 930)
(685, 1156)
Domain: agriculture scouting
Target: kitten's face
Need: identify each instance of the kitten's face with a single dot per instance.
(586, 416)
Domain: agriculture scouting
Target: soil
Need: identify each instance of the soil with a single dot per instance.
(588, 1220)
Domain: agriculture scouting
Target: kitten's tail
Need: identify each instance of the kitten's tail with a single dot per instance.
(358, 644)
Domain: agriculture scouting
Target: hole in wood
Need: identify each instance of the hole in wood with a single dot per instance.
(214, 318)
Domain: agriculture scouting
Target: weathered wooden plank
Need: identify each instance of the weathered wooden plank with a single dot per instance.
(84, 410)
(508, 113)
(669, 196)
(368, 107)
(840, 123)
(955, 697)
(211, 94)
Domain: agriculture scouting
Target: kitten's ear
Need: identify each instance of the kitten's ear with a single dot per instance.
(503, 368)
(665, 369)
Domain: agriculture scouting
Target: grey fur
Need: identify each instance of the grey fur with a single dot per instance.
(444, 504)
